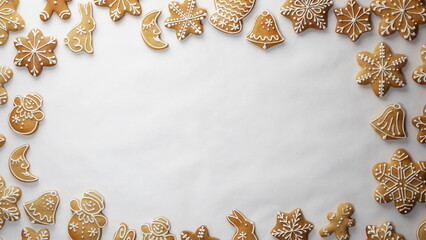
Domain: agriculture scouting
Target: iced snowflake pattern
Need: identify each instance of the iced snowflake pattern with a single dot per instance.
(73, 226)
(10, 20)
(384, 232)
(118, 8)
(93, 232)
(292, 226)
(353, 20)
(9, 197)
(401, 181)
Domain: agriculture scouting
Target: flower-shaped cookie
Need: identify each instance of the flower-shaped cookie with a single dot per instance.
(292, 226)
(385, 232)
(401, 181)
(10, 20)
(9, 197)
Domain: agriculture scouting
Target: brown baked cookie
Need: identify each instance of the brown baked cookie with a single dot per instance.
(244, 227)
(421, 231)
(19, 166)
(401, 181)
(35, 52)
(420, 123)
(124, 233)
(26, 114)
(59, 7)
(6, 74)
(29, 234)
(353, 20)
(265, 32)
(292, 226)
(80, 36)
(419, 74)
(10, 20)
(384, 232)
(390, 125)
(150, 31)
(118, 8)
(42, 210)
(306, 14)
(202, 233)
(340, 222)
(9, 197)
(157, 229)
(381, 69)
(229, 15)
(2, 140)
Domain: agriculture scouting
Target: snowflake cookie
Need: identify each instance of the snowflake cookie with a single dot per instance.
(202, 233)
(421, 231)
(403, 16)
(35, 52)
(265, 32)
(245, 229)
(6, 74)
(10, 20)
(307, 13)
(390, 124)
(118, 8)
(29, 234)
(292, 226)
(419, 122)
(229, 15)
(26, 113)
(124, 233)
(59, 7)
(185, 18)
(381, 69)
(419, 74)
(401, 181)
(353, 20)
(80, 36)
(157, 229)
(385, 232)
(19, 166)
(9, 197)
(42, 210)
(340, 222)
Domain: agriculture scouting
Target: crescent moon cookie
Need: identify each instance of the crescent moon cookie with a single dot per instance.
(6, 74)
(381, 69)
(292, 226)
(42, 210)
(340, 222)
(229, 15)
(306, 14)
(419, 122)
(419, 74)
(400, 15)
(35, 52)
(157, 229)
(244, 227)
(29, 234)
(202, 233)
(265, 32)
(124, 233)
(10, 19)
(26, 114)
(401, 181)
(353, 20)
(185, 18)
(9, 197)
(19, 165)
(421, 231)
(80, 36)
(59, 7)
(390, 125)
(384, 232)
(150, 31)
(118, 8)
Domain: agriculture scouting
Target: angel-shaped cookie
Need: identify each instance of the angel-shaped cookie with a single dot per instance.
(245, 228)
(80, 36)
(26, 113)
(340, 222)
(158, 229)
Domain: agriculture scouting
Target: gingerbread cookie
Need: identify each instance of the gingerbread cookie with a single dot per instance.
(385, 232)
(265, 32)
(185, 18)
(244, 227)
(59, 7)
(150, 31)
(2, 140)
(9, 197)
(420, 123)
(381, 69)
(390, 124)
(229, 14)
(306, 14)
(419, 74)
(87, 218)
(292, 226)
(353, 20)
(400, 15)
(19, 165)
(202, 233)
(35, 52)
(421, 231)
(118, 8)
(124, 233)
(80, 36)
(6, 74)
(26, 114)
(401, 181)
(10, 20)
(340, 222)
(29, 234)
(158, 229)
(42, 210)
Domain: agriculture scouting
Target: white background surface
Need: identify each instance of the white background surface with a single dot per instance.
(210, 124)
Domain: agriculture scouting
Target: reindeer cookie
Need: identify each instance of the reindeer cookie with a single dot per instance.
(6, 74)
(59, 7)
(87, 218)
(158, 229)
(124, 233)
(80, 36)
(340, 222)
(26, 113)
(245, 227)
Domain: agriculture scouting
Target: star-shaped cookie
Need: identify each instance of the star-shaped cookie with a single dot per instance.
(292, 226)
(307, 13)
(381, 69)
(401, 181)
(10, 20)
(419, 122)
(353, 20)
(403, 16)
(202, 233)
(9, 197)
(29, 234)
(118, 8)
(384, 232)
(185, 18)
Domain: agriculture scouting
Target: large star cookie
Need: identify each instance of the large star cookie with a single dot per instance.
(401, 181)
(353, 20)
(292, 226)
(381, 69)
(10, 20)
(118, 8)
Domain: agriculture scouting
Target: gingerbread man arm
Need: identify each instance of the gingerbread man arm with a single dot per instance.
(327, 230)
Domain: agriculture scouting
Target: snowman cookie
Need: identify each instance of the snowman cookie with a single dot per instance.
(158, 229)
(26, 114)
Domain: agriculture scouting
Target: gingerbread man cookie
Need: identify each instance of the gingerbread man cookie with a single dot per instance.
(419, 74)
(124, 233)
(229, 14)
(29, 234)
(118, 8)
(292, 226)
(353, 20)
(340, 222)
(10, 20)
(80, 36)
(59, 7)
(245, 229)
(6, 74)
(158, 229)
(26, 114)
(420, 123)
(384, 232)
(87, 218)
(390, 124)
(42, 210)
(9, 197)
(265, 32)
(202, 233)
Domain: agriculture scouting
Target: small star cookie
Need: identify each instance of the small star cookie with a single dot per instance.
(419, 122)
(10, 19)
(29, 234)
(118, 8)
(340, 222)
(292, 226)
(353, 20)
(384, 232)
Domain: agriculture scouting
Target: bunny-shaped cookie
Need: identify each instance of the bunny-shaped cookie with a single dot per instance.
(80, 36)
(245, 227)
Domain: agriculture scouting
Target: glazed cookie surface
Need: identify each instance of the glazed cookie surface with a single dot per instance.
(42, 210)
(265, 32)
(340, 222)
(292, 226)
(353, 20)
(390, 125)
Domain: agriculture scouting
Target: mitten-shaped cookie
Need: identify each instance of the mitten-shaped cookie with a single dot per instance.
(60, 7)
(340, 222)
